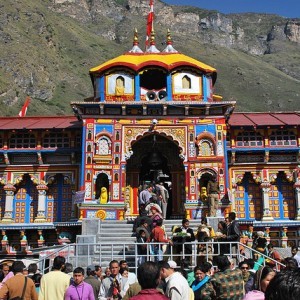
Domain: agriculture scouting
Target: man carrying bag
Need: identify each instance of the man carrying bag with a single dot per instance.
(18, 287)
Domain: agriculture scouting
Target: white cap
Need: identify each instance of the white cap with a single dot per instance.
(172, 264)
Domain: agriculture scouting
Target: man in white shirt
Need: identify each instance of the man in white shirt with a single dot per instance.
(177, 287)
(295, 255)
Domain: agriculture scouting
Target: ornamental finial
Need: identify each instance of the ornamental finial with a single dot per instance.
(135, 38)
(169, 38)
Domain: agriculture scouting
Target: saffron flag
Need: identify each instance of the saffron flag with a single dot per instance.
(150, 19)
(23, 111)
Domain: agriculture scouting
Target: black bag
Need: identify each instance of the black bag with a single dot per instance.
(23, 293)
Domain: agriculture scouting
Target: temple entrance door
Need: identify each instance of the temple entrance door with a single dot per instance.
(156, 159)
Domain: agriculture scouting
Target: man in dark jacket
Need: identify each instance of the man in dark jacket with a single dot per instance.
(233, 233)
(92, 280)
(183, 235)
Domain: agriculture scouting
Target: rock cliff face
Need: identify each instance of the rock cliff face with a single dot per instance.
(210, 27)
(48, 47)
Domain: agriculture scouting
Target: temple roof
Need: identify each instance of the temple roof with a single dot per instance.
(42, 122)
(137, 61)
(265, 119)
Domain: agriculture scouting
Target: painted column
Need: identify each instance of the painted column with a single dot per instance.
(232, 196)
(10, 192)
(265, 186)
(297, 192)
(41, 215)
(137, 88)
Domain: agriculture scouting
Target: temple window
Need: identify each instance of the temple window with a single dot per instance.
(88, 176)
(89, 136)
(117, 160)
(89, 148)
(191, 137)
(249, 139)
(103, 146)
(186, 82)
(117, 149)
(283, 138)
(56, 140)
(116, 177)
(22, 140)
(117, 135)
(206, 148)
(89, 160)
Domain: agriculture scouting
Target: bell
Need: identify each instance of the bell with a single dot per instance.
(154, 159)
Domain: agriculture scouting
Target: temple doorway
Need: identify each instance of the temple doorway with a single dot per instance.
(156, 159)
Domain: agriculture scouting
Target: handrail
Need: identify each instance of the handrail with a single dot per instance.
(81, 254)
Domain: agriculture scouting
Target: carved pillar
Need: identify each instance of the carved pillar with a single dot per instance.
(41, 215)
(10, 192)
(265, 186)
(297, 192)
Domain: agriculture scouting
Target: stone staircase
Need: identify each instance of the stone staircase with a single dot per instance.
(114, 240)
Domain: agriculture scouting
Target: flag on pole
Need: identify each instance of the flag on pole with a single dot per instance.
(150, 19)
(23, 111)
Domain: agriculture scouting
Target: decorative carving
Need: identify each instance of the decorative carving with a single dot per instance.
(273, 178)
(177, 134)
(256, 177)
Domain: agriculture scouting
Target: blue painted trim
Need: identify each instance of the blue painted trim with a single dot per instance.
(102, 89)
(246, 198)
(169, 87)
(205, 89)
(137, 87)
(280, 197)
(82, 167)
(244, 149)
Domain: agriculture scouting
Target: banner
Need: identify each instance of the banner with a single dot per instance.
(79, 197)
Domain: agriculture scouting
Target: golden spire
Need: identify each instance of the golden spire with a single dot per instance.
(152, 37)
(169, 42)
(136, 48)
(169, 38)
(135, 38)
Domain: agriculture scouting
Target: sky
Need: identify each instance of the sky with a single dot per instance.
(284, 8)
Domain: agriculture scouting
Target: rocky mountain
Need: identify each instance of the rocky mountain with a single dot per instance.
(48, 47)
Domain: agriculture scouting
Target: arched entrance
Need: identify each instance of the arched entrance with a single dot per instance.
(156, 159)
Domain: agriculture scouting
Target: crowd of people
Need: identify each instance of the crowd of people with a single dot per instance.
(215, 276)
(158, 280)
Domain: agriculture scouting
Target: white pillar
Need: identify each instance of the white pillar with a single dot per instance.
(10, 192)
(297, 194)
(265, 186)
(41, 215)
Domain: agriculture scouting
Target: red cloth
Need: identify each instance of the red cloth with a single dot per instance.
(158, 235)
(150, 19)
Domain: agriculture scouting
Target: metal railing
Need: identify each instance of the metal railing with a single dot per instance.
(81, 254)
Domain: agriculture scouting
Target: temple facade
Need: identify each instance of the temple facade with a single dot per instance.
(153, 117)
